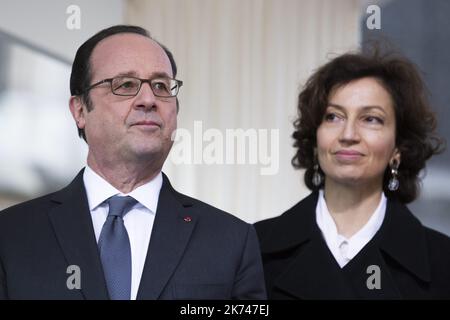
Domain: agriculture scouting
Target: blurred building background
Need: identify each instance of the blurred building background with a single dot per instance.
(242, 63)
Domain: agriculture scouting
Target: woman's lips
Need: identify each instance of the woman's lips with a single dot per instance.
(348, 155)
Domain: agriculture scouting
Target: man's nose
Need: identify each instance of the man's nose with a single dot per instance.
(145, 97)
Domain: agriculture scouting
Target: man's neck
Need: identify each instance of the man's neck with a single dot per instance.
(351, 206)
(125, 177)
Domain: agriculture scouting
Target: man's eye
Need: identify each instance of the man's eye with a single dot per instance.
(160, 86)
(128, 84)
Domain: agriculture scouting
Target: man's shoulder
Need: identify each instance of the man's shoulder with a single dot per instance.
(42, 204)
(206, 212)
(26, 208)
(210, 213)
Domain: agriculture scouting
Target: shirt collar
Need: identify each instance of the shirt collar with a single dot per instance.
(98, 190)
(359, 239)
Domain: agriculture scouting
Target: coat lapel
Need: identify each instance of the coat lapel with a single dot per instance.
(312, 273)
(75, 233)
(399, 244)
(172, 229)
(404, 240)
(367, 265)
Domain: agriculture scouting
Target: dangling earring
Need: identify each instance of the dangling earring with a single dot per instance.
(317, 178)
(393, 182)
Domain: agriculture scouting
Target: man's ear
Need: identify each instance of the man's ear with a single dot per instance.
(77, 110)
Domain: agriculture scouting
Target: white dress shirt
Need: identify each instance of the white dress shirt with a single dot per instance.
(344, 249)
(138, 221)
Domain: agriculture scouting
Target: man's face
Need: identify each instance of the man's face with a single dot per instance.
(128, 129)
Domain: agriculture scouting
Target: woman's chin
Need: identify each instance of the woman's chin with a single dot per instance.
(351, 181)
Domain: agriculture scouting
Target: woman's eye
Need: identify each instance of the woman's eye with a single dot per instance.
(373, 119)
(330, 117)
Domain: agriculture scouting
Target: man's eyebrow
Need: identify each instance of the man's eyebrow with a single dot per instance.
(127, 74)
(364, 108)
(134, 74)
(159, 75)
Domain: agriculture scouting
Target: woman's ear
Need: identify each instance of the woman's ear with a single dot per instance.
(396, 157)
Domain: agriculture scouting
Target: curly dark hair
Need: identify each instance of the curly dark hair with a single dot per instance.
(416, 139)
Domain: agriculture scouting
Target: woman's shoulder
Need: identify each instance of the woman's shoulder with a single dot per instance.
(290, 228)
(438, 241)
(438, 247)
(408, 218)
(417, 237)
(410, 227)
(299, 211)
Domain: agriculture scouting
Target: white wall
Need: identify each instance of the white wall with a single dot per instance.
(243, 63)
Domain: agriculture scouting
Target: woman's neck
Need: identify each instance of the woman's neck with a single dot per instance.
(351, 206)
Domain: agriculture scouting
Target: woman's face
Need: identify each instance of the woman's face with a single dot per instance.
(356, 139)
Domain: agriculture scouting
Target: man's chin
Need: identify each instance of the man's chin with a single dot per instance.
(146, 152)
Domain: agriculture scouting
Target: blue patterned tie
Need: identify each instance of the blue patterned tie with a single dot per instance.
(115, 251)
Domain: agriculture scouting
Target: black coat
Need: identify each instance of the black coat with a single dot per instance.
(413, 261)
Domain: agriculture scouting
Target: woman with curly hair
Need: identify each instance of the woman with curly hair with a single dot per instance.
(364, 132)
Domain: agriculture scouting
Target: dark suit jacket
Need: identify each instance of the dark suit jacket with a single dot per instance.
(414, 261)
(195, 251)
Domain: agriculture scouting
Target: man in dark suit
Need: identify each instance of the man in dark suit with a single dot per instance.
(120, 230)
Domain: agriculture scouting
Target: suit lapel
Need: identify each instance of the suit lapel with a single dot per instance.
(75, 233)
(172, 229)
